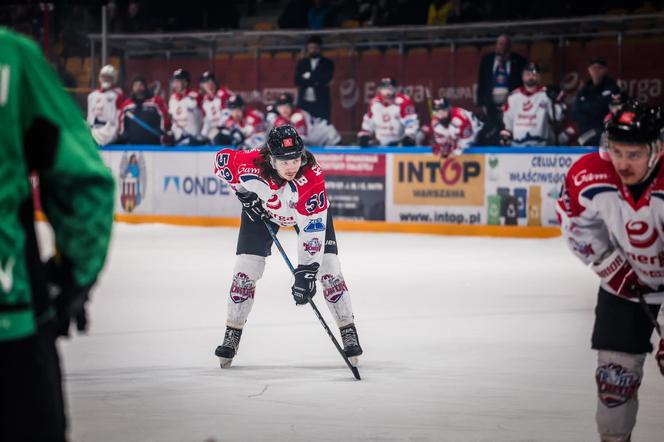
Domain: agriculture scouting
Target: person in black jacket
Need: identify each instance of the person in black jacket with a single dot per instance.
(313, 75)
(592, 103)
(499, 74)
(143, 117)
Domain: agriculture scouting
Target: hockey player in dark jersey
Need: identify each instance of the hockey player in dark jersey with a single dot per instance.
(283, 183)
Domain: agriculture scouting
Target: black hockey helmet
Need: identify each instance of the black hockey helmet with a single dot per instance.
(181, 74)
(633, 123)
(387, 82)
(618, 99)
(235, 102)
(440, 104)
(207, 76)
(532, 67)
(284, 143)
(284, 98)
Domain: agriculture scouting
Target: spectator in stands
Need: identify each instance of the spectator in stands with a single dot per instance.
(215, 101)
(438, 12)
(144, 117)
(103, 106)
(320, 15)
(592, 103)
(391, 119)
(313, 75)
(244, 128)
(530, 113)
(185, 107)
(314, 131)
(452, 129)
(499, 74)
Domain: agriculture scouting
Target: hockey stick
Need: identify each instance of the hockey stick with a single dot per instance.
(144, 125)
(353, 369)
(650, 316)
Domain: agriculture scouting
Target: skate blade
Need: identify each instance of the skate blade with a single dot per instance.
(354, 361)
(225, 362)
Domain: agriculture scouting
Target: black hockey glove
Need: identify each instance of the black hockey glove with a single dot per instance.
(252, 206)
(68, 298)
(363, 139)
(304, 287)
(407, 141)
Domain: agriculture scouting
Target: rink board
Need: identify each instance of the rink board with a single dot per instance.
(486, 191)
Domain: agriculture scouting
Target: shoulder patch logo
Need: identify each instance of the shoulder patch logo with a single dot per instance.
(315, 225)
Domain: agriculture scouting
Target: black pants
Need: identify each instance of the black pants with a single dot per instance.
(31, 401)
(622, 325)
(254, 239)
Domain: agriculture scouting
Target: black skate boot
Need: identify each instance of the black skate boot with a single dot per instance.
(226, 351)
(351, 343)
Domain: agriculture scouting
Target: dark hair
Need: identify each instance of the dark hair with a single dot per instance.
(315, 39)
(267, 171)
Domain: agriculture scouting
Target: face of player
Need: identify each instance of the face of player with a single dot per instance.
(236, 114)
(209, 87)
(629, 160)
(287, 169)
(596, 72)
(442, 114)
(530, 79)
(179, 86)
(285, 110)
(138, 89)
(387, 94)
(106, 82)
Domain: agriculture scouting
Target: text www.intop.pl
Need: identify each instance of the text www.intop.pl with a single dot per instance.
(444, 217)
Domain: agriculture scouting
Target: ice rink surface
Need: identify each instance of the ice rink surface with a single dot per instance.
(465, 339)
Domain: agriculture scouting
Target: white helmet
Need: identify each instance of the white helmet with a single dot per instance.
(109, 71)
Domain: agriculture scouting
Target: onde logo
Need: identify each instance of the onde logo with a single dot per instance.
(195, 186)
(426, 180)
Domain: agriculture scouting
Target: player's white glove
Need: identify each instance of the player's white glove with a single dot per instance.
(616, 272)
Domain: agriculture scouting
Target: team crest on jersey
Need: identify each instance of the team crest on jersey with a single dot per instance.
(242, 288)
(334, 287)
(582, 248)
(312, 246)
(615, 384)
(133, 180)
(315, 225)
(640, 235)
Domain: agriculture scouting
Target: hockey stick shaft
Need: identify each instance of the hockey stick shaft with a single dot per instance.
(144, 125)
(650, 315)
(353, 369)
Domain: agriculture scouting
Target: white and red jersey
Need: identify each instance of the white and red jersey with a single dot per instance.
(213, 109)
(186, 111)
(314, 131)
(456, 133)
(389, 122)
(528, 116)
(598, 215)
(301, 202)
(103, 110)
(252, 126)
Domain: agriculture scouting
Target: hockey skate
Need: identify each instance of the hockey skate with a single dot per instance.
(227, 351)
(351, 343)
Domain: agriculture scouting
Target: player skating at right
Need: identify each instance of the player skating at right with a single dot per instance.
(612, 216)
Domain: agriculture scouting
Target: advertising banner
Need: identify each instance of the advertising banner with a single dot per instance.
(355, 185)
(522, 189)
(424, 188)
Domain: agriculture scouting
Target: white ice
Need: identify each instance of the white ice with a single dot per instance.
(465, 339)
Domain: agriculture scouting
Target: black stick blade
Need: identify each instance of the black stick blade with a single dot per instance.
(356, 373)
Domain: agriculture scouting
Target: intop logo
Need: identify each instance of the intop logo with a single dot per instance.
(195, 186)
